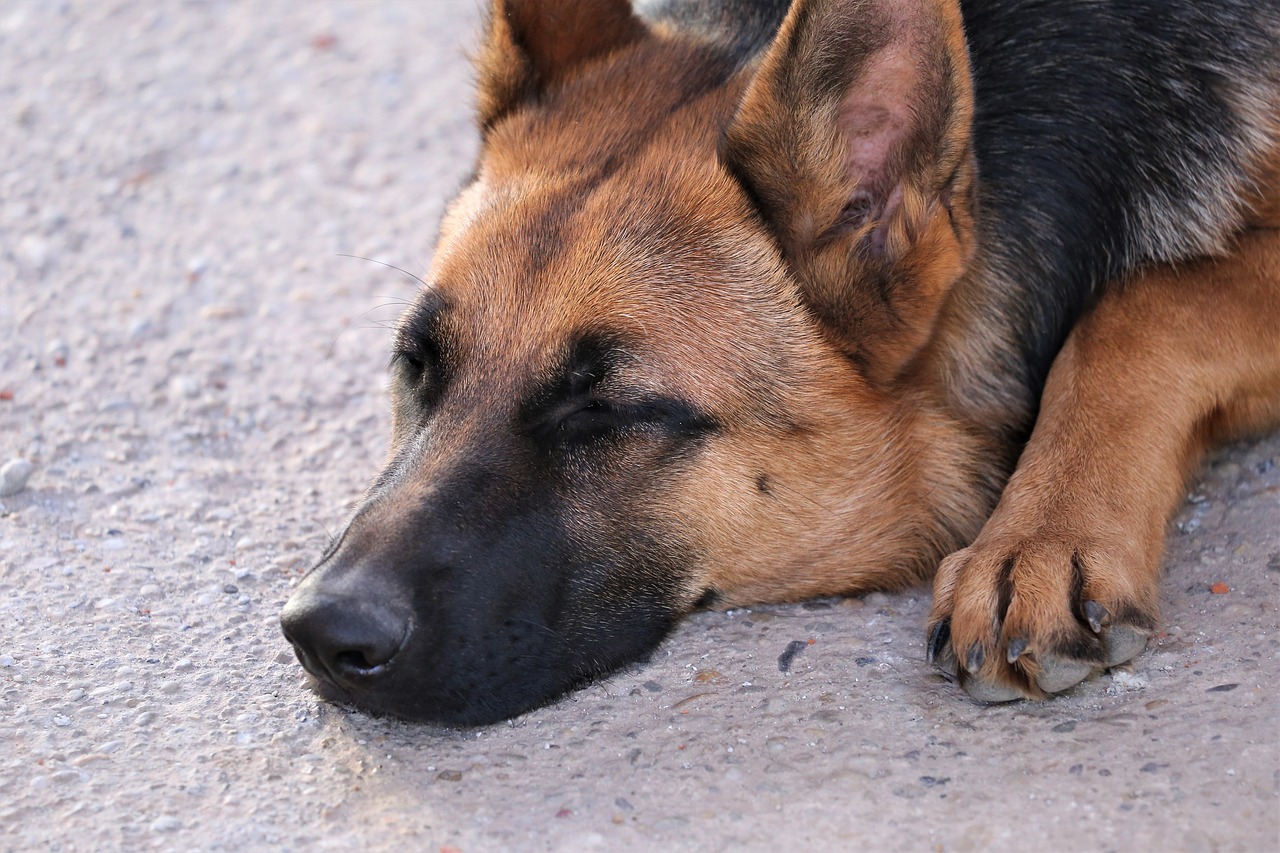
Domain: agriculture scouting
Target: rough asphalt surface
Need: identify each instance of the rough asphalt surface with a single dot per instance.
(196, 376)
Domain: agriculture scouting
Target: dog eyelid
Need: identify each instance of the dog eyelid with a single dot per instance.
(405, 357)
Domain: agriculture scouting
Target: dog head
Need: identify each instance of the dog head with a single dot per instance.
(668, 353)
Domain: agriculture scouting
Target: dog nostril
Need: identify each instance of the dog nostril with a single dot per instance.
(344, 639)
(355, 661)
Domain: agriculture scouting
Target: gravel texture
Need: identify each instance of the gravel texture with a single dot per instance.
(196, 375)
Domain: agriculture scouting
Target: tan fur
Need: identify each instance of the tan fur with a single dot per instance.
(1159, 368)
(527, 46)
(1264, 200)
(859, 477)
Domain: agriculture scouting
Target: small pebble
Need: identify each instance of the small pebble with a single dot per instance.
(788, 655)
(36, 251)
(140, 329)
(13, 476)
(168, 823)
(220, 312)
(1122, 680)
(186, 386)
(27, 114)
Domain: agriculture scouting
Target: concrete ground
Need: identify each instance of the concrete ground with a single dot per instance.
(196, 375)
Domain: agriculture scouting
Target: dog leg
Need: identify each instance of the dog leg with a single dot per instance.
(1063, 578)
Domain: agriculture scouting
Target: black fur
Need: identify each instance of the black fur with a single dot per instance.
(1088, 111)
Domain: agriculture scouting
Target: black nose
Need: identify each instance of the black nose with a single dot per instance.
(343, 639)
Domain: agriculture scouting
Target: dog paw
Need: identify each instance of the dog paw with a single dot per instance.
(1028, 616)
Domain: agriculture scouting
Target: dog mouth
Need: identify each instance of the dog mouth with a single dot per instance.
(448, 674)
(456, 617)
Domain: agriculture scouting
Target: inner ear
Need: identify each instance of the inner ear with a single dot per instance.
(855, 107)
(530, 45)
(881, 124)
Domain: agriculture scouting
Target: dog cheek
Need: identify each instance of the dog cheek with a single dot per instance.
(633, 560)
(703, 512)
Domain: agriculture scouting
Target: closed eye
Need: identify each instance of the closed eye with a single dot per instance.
(420, 362)
(585, 404)
(591, 420)
(408, 360)
(419, 369)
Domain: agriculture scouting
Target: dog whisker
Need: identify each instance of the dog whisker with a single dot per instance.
(387, 265)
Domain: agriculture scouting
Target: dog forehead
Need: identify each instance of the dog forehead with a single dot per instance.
(606, 211)
(662, 255)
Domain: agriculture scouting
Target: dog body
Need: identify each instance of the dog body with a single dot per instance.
(763, 303)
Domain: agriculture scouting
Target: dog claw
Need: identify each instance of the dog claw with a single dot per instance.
(946, 666)
(1016, 648)
(1124, 643)
(1057, 675)
(1097, 615)
(939, 636)
(977, 655)
(939, 652)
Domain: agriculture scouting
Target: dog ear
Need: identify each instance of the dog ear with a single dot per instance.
(853, 137)
(532, 44)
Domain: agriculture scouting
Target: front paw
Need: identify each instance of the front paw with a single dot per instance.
(1025, 616)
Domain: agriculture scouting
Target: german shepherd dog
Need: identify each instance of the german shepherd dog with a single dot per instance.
(754, 303)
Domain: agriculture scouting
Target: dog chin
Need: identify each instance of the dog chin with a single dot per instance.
(417, 707)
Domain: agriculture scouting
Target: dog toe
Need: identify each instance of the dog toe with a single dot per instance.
(991, 692)
(1059, 674)
(1030, 617)
(1123, 643)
